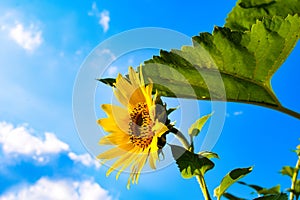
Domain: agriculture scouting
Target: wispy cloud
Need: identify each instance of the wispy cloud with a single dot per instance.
(107, 52)
(112, 70)
(236, 113)
(25, 33)
(104, 16)
(104, 20)
(47, 189)
(29, 38)
(84, 159)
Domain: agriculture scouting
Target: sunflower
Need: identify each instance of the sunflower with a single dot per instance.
(134, 129)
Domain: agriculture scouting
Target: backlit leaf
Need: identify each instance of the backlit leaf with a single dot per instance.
(190, 164)
(196, 127)
(247, 12)
(230, 178)
(281, 196)
(246, 62)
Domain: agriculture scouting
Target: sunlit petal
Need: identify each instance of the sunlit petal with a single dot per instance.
(133, 130)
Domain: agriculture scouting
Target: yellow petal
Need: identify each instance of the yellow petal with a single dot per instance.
(140, 166)
(116, 152)
(124, 160)
(117, 117)
(153, 153)
(134, 78)
(117, 139)
(130, 160)
(112, 153)
(109, 125)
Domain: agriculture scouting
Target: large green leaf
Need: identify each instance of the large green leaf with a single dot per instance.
(230, 178)
(246, 62)
(246, 12)
(234, 63)
(190, 164)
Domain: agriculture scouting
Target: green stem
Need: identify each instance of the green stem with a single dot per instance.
(180, 137)
(203, 187)
(294, 178)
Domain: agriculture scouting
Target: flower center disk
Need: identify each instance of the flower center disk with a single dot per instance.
(140, 126)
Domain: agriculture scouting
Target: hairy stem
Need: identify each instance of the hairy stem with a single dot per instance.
(203, 187)
(294, 178)
(180, 137)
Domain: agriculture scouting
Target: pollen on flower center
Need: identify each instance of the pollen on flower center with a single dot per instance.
(140, 126)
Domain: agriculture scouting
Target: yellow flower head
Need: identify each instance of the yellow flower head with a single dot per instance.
(134, 129)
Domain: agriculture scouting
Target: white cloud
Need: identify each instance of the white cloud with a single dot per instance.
(238, 113)
(94, 10)
(20, 141)
(104, 20)
(78, 52)
(29, 38)
(112, 70)
(104, 17)
(84, 159)
(130, 61)
(108, 52)
(59, 190)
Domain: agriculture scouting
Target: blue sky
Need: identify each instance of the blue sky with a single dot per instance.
(43, 46)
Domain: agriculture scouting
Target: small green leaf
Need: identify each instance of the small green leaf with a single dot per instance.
(190, 164)
(231, 197)
(255, 187)
(208, 154)
(273, 190)
(287, 170)
(231, 178)
(261, 190)
(298, 150)
(281, 196)
(195, 128)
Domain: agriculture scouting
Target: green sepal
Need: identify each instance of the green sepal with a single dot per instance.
(108, 81)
